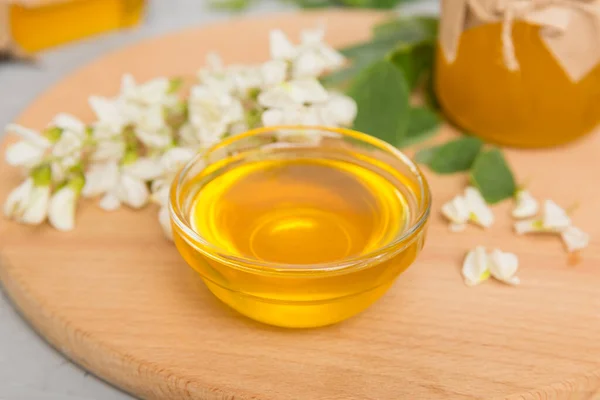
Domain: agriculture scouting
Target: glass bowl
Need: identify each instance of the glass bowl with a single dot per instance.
(291, 294)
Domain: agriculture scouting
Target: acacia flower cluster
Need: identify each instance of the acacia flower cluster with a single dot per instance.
(142, 136)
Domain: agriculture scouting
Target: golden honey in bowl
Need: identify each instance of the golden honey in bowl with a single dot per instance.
(300, 234)
(299, 211)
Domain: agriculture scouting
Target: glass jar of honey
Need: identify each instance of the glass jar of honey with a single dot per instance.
(522, 73)
(41, 24)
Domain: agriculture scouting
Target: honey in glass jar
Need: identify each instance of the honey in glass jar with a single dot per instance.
(35, 25)
(523, 73)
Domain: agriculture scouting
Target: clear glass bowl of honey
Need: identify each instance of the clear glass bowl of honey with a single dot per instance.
(300, 226)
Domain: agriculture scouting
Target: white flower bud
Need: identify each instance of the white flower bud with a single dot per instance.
(475, 267)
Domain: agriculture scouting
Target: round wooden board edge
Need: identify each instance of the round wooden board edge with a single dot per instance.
(55, 329)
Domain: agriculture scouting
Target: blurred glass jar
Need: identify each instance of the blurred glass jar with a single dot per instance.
(39, 24)
(520, 73)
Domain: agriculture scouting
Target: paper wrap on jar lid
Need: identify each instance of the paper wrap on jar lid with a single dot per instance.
(570, 29)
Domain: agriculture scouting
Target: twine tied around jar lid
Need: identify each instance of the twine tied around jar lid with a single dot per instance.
(570, 29)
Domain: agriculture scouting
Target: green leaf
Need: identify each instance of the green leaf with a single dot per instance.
(362, 56)
(371, 50)
(230, 5)
(408, 42)
(403, 31)
(386, 4)
(429, 92)
(424, 156)
(382, 97)
(422, 27)
(454, 156)
(415, 60)
(341, 77)
(314, 3)
(422, 125)
(491, 174)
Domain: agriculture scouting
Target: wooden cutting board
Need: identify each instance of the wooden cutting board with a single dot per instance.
(117, 299)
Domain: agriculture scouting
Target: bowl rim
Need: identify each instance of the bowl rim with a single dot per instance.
(256, 265)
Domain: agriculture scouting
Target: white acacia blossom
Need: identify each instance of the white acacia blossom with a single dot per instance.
(469, 207)
(479, 265)
(28, 202)
(555, 220)
(30, 150)
(142, 136)
(526, 206)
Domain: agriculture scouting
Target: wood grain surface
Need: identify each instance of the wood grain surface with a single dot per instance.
(116, 298)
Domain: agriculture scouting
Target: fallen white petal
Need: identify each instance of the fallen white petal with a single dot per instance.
(575, 239)
(480, 213)
(456, 210)
(526, 205)
(528, 226)
(503, 266)
(454, 227)
(555, 218)
(475, 267)
(165, 222)
(61, 212)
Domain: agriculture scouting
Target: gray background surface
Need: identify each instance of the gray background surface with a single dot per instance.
(29, 368)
